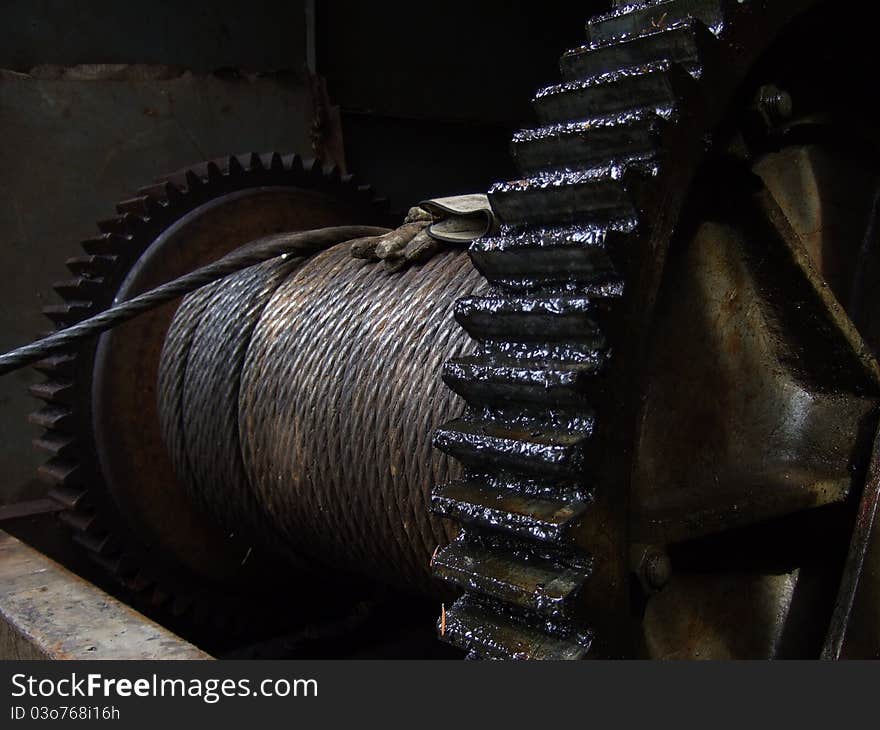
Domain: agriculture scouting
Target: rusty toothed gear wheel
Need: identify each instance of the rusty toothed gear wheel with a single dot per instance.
(117, 486)
(554, 523)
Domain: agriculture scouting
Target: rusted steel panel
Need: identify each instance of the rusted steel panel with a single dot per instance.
(47, 612)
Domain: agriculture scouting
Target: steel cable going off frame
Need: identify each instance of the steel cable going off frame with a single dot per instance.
(301, 243)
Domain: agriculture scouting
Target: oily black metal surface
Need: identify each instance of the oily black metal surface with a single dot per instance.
(554, 384)
(111, 474)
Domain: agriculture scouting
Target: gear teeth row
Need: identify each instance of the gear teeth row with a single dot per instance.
(528, 440)
(97, 274)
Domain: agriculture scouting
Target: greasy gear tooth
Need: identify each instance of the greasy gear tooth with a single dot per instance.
(527, 510)
(317, 171)
(80, 521)
(312, 166)
(138, 206)
(57, 444)
(68, 498)
(89, 263)
(132, 223)
(105, 244)
(100, 545)
(64, 315)
(164, 192)
(151, 206)
(525, 578)
(333, 174)
(61, 472)
(631, 19)
(52, 391)
(274, 162)
(215, 173)
(193, 180)
(56, 365)
(116, 224)
(294, 163)
(234, 166)
(52, 417)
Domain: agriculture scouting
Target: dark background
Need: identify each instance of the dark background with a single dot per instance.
(429, 95)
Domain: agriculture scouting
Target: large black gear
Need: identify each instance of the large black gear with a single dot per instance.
(542, 557)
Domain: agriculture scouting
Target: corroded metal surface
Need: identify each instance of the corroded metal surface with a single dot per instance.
(47, 612)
